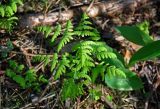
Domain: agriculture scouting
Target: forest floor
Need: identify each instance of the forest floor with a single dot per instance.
(13, 97)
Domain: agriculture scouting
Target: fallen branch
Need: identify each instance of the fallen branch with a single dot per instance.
(97, 9)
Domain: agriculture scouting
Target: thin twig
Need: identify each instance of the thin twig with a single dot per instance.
(29, 54)
(89, 7)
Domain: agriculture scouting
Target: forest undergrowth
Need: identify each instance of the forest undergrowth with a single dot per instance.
(91, 54)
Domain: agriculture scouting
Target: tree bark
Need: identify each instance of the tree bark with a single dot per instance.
(102, 8)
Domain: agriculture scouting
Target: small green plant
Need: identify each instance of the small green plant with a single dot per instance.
(29, 79)
(4, 49)
(139, 34)
(7, 11)
(89, 59)
(95, 93)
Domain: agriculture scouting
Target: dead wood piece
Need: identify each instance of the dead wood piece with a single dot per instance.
(101, 8)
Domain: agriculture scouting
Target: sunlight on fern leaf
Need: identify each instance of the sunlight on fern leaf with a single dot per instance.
(67, 36)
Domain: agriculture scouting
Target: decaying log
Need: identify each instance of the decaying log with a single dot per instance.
(101, 8)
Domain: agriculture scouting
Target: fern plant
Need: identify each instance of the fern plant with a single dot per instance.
(4, 50)
(29, 79)
(8, 23)
(67, 35)
(7, 11)
(67, 90)
(88, 59)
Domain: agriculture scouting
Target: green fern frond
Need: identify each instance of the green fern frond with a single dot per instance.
(39, 58)
(36, 58)
(85, 22)
(14, 7)
(84, 16)
(83, 76)
(10, 73)
(102, 51)
(20, 2)
(45, 29)
(83, 55)
(46, 60)
(12, 18)
(56, 33)
(48, 31)
(54, 61)
(61, 67)
(83, 44)
(85, 29)
(30, 75)
(103, 55)
(2, 10)
(80, 75)
(9, 11)
(20, 80)
(98, 70)
(71, 90)
(113, 71)
(67, 35)
(86, 33)
(8, 23)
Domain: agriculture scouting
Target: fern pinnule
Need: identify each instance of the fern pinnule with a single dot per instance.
(8, 23)
(67, 89)
(39, 58)
(114, 71)
(85, 29)
(2, 10)
(45, 29)
(56, 33)
(103, 55)
(83, 55)
(46, 60)
(48, 30)
(83, 75)
(84, 17)
(54, 61)
(18, 2)
(14, 6)
(61, 67)
(98, 70)
(42, 58)
(102, 51)
(9, 11)
(67, 35)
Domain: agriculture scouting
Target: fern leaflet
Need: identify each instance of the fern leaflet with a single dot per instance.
(71, 90)
(113, 71)
(2, 11)
(46, 30)
(54, 61)
(56, 33)
(67, 35)
(8, 23)
(85, 29)
(102, 51)
(61, 67)
(83, 54)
